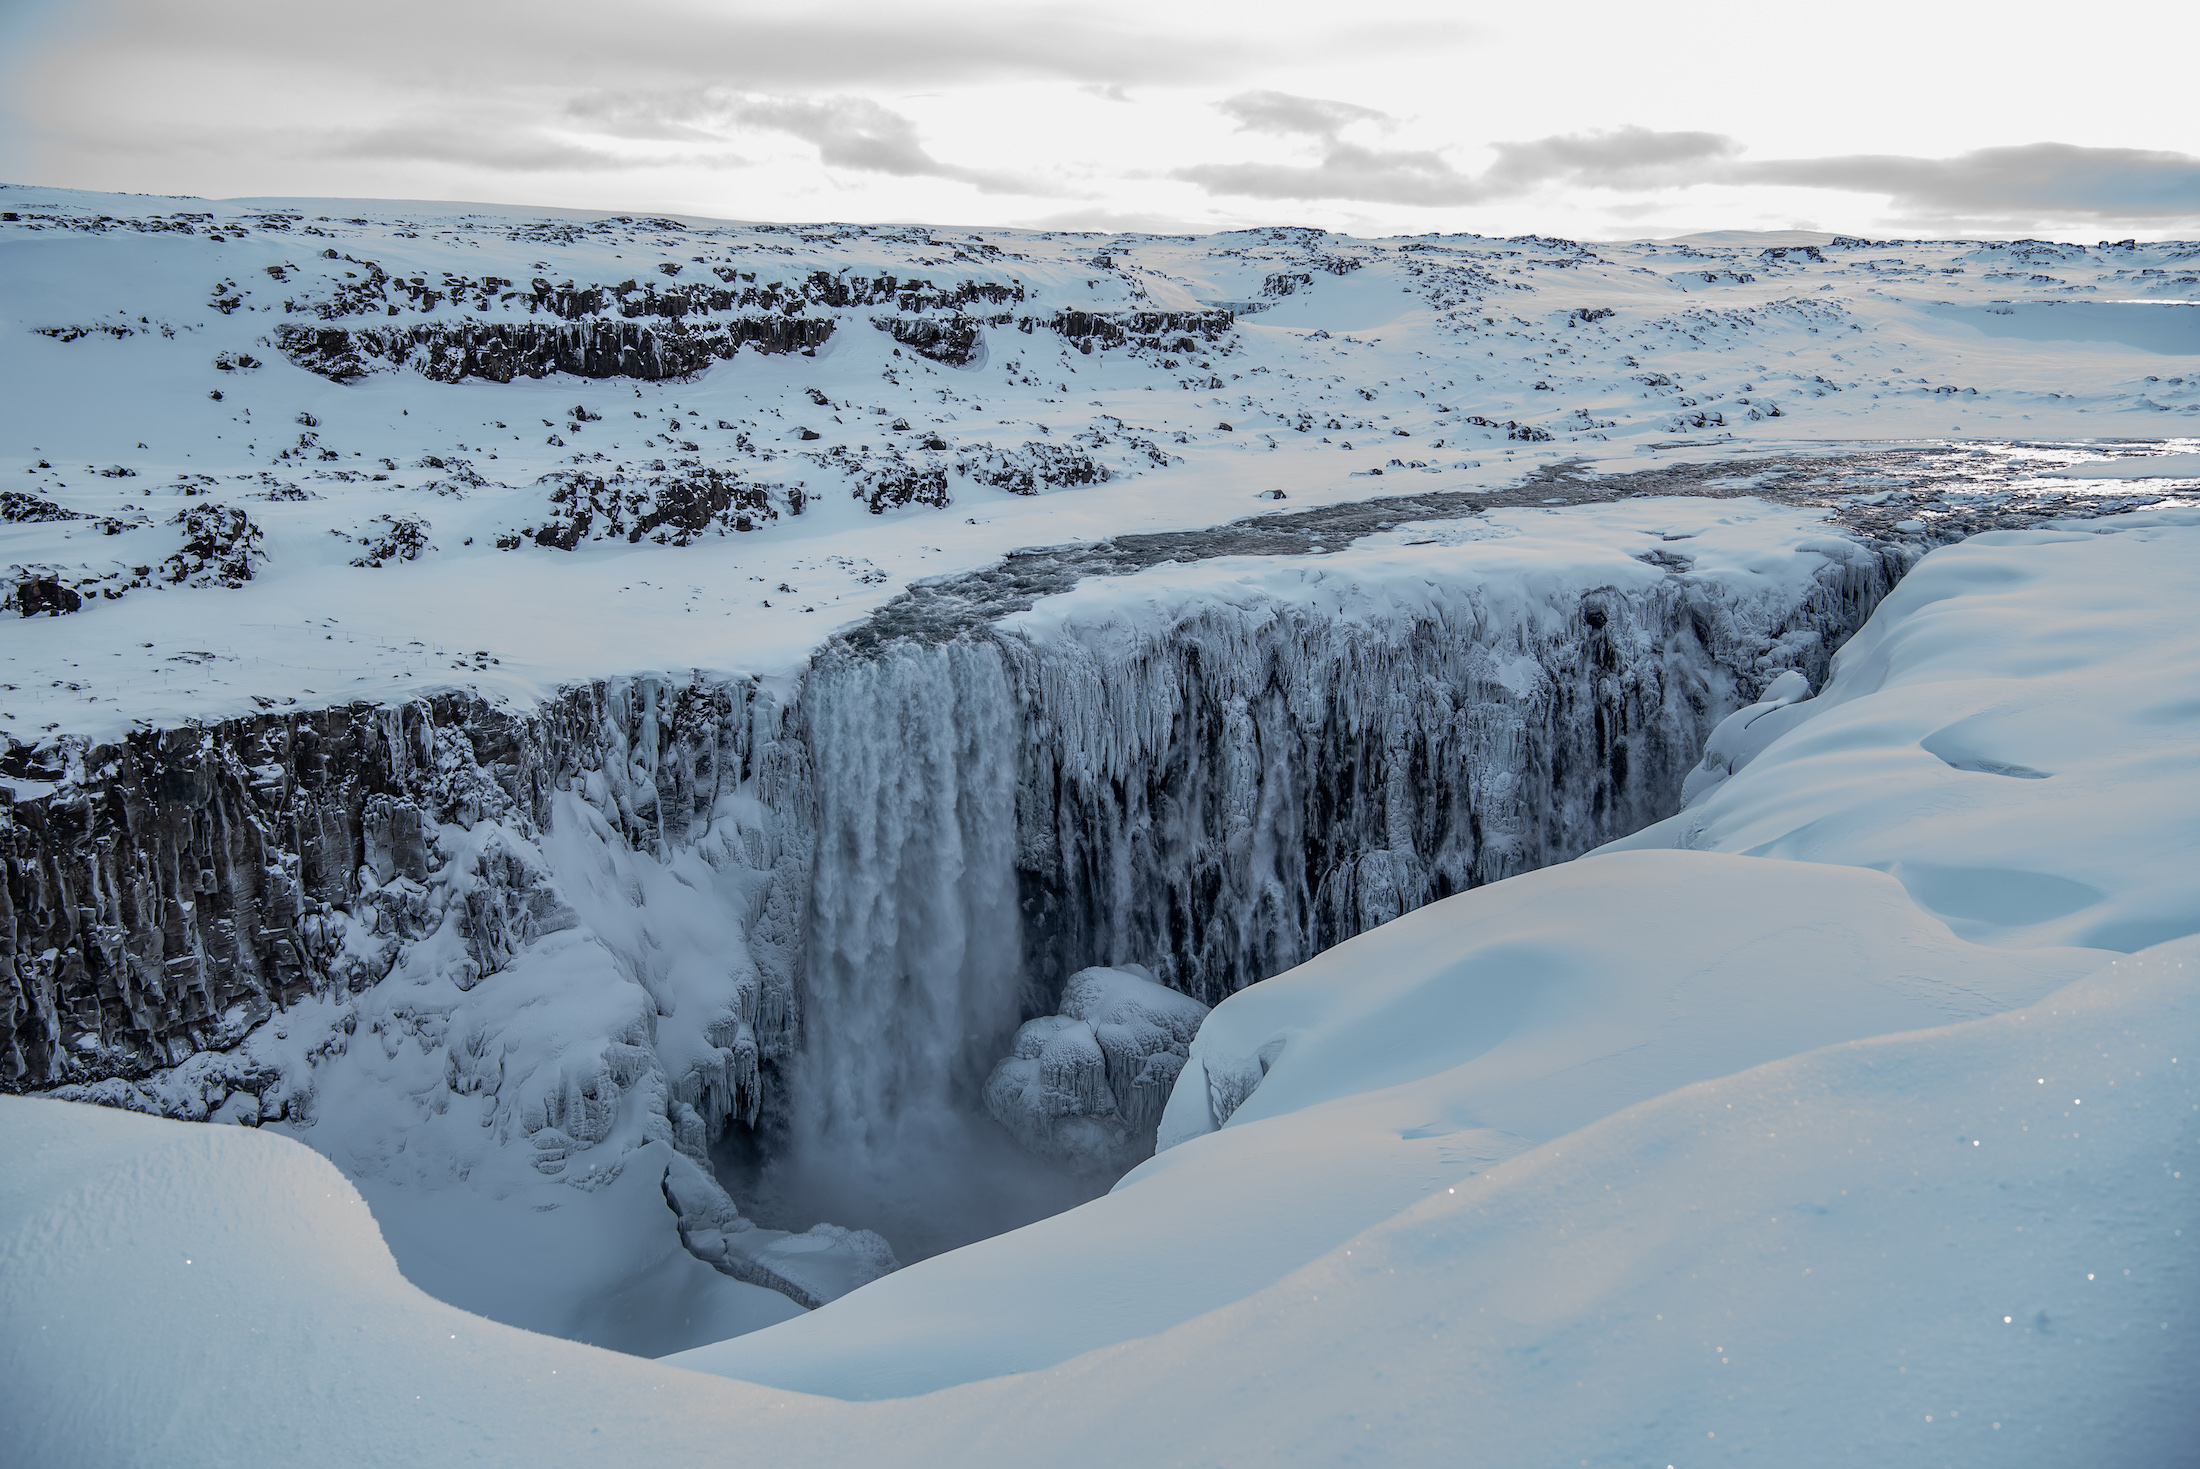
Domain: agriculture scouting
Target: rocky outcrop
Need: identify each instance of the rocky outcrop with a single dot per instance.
(1155, 331)
(183, 883)
(955, 340)
(499, 351)
(169, 892)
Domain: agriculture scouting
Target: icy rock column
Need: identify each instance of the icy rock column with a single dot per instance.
(914, 966)
(1086, 1087)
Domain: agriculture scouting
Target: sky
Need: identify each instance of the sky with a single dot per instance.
(1599, 120)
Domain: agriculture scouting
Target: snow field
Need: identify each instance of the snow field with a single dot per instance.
(1354, 368)
(2010, 737)
(1884, 1250)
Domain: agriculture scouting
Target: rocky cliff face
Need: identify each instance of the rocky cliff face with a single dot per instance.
(173, 890)
(181, 885)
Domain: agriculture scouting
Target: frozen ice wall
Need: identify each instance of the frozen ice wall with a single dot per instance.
(1225, 773)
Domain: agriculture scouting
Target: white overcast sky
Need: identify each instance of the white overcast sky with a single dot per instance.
(1596, 119)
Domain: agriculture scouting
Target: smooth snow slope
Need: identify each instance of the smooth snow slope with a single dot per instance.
(2011, 736)
(1961, 1247)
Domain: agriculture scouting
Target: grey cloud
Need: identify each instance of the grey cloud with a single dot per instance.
(752, 46)
(1346, 171)
(2034, 180)
(849, 132)
(1627, 157)
(1281, 112)
(514, 152)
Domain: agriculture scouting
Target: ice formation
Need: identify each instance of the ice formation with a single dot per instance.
(827, 903)
(1087, 1086)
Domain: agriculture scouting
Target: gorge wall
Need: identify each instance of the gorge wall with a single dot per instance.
(807, 915)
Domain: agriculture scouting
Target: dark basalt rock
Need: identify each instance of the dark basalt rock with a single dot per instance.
(167, 892)
(220, 547)
(501, 351)
(1156, 331)
(956, 341)
(675, 507)
(21, 509)
(179, 885)
(43, 594)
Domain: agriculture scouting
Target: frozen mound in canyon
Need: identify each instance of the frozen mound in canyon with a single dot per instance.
(1087, 1086)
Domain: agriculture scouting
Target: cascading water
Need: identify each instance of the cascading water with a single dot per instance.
(914, 976)
(1215, 790)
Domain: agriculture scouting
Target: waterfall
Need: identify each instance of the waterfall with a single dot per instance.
(915, 967)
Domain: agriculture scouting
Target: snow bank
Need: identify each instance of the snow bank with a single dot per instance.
(1885, 1251)
(1398, 1062)
(2010, 737)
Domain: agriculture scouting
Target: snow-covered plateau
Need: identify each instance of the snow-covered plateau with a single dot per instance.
(1419, 850)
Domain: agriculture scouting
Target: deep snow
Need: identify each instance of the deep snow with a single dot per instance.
(1891, 1250)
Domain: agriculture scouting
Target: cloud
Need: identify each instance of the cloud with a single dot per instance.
(1624, 158)
(745, 44)
(1346, 171)
(1629, 157)
(2035, 182)
(1281, 112)
(850, 132)
(510, 152)
(2031, 181)
(853, 133)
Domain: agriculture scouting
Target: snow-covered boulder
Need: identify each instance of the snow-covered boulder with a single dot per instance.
(1086, 1087)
